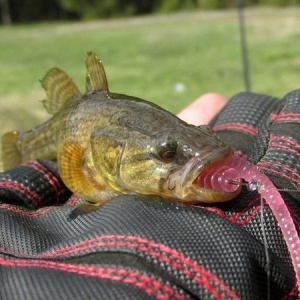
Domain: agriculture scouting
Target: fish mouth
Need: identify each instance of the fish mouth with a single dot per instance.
(211, 178)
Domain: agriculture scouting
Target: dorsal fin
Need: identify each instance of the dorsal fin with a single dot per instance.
(95, 74)
(59, 89)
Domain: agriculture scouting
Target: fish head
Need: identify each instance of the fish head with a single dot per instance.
(167, 163)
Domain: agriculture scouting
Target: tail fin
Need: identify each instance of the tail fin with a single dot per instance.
(11, 156)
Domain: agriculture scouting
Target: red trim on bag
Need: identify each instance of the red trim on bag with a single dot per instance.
(241, 220)
(33, 197)
(22, 212)
(273, 167)
(288, 117)
(149, 285)
(160, 252)
(285, 140)
(212, 209)
(73, 200)
(273, 117)
(285, 148)
(290, 144)
(236, 127)
(52, 180)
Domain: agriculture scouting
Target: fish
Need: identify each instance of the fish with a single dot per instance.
(108, 144)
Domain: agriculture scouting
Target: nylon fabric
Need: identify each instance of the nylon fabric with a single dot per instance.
(145, 247)
(243, 122)
(282, 156)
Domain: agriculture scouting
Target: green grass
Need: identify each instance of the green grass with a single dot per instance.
(146, 56)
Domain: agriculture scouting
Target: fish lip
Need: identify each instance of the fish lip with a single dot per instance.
(200, 164)
(195, 193)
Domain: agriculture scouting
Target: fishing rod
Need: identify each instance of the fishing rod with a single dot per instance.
(243, 45)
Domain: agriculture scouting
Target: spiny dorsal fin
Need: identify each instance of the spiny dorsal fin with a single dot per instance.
(59, 89)
(95, 74)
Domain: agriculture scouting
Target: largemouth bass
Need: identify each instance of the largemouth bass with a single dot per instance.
(108, 144)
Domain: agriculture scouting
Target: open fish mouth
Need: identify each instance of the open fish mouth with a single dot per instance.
(211, 178)
(218, 176)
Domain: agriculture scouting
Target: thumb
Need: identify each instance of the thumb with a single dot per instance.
(203, 109)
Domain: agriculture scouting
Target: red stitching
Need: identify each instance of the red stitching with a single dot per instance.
(250, 204)
(157, 247)
(236, 127)
(212, 209)
(285, 148)
(170, 256)
(30, 195)
(73, 200)
(285, 140)
(292, 146)
(273, 117)
(22, 212)
(51, 179)
(147, 284)
(234, 218)
(249, 218)
(245, 221)
(173, 258)
(269, 167)
(291, 117)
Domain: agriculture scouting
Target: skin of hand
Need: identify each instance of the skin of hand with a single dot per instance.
(203, 109)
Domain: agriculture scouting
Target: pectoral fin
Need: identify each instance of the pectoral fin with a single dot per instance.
(59, 88)
(95, 74)
(70, 164)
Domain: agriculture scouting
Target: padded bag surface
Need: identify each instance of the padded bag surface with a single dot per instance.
(138, 247)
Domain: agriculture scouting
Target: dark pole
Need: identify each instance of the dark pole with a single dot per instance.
(244, 53)
(5, 13)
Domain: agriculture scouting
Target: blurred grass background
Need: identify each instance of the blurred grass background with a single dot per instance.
(148, 56)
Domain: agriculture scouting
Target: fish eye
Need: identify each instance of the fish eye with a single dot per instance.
(166, 150)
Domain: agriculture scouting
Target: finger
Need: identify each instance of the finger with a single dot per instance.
(203, 109)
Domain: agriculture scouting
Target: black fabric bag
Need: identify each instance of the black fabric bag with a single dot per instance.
(138, 247)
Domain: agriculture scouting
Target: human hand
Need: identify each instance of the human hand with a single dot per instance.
(203, 109)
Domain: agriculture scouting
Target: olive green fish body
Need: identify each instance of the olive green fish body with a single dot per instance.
(109, 144)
